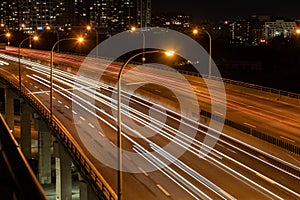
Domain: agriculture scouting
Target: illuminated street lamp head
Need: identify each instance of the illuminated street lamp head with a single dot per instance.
(298, 31)
(169, 53)
(133, 28)
(48, 28)
(195, 31)
(8, 35)
(35, 37)
(88, 28)
(80, 39)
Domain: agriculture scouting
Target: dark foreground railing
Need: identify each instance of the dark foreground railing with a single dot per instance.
(17, 180)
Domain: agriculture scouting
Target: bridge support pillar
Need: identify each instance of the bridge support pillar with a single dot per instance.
(85, 190)
(25, 125)
(9, 108)
(44, 152)
(63, 171)
(2, 98)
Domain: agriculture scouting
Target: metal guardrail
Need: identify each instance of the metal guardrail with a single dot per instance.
(246, 85)
(24, 182)
(101, 188)
(237, 83)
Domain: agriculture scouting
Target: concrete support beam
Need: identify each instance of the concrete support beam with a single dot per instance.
(63, 164)
(2, 99)
(85, 190)
(25, 125)
(44, 152)
(9, 108)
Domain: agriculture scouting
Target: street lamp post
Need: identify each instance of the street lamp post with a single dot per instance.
(195, 31)
(30, 43)
(7, 35)
(57, 36)
(80, 39)
(90, 28)
(119, 118)
(144, 41)
(19, 58)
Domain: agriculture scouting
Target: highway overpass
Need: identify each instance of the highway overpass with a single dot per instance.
(256, 154)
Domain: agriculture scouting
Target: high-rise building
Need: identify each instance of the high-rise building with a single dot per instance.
(143, 13)
(119, 15)
(98, 10)
(9, 14)
(27, 15)
(3, 13)
(112, 16)
(72, 13)
(279, 27)
(64, 14)
(36, 14)
(108, 16)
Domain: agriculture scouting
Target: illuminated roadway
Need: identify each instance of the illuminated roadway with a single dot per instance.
(232, 170)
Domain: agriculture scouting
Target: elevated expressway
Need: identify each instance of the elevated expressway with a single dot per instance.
(232, 169)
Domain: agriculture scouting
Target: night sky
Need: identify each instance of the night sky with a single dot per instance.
(220, 9)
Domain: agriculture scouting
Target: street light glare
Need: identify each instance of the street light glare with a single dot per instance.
(35, 38)
(169, 53)
(80, 39)
(195, 31)
(8, 35)
(88, 28)
(133, 28)
(298, 31)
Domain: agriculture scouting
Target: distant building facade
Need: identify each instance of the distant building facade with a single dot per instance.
(279, 27)
(27, 15)
(143, 8)
(109, 16)
(113, 16)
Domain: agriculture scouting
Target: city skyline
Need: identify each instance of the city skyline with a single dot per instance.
(218, 9)
(114, 16)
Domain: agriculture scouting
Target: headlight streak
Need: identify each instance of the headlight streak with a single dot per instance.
(3, 62)
(195, 175)
(188, 169)
(236, 140)
(251, 148)
(195, 151)
(225, 135)
(262, 152)
(152, 127)
(130, 115)
(170, 174)
(280, 160)
(62, 89)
